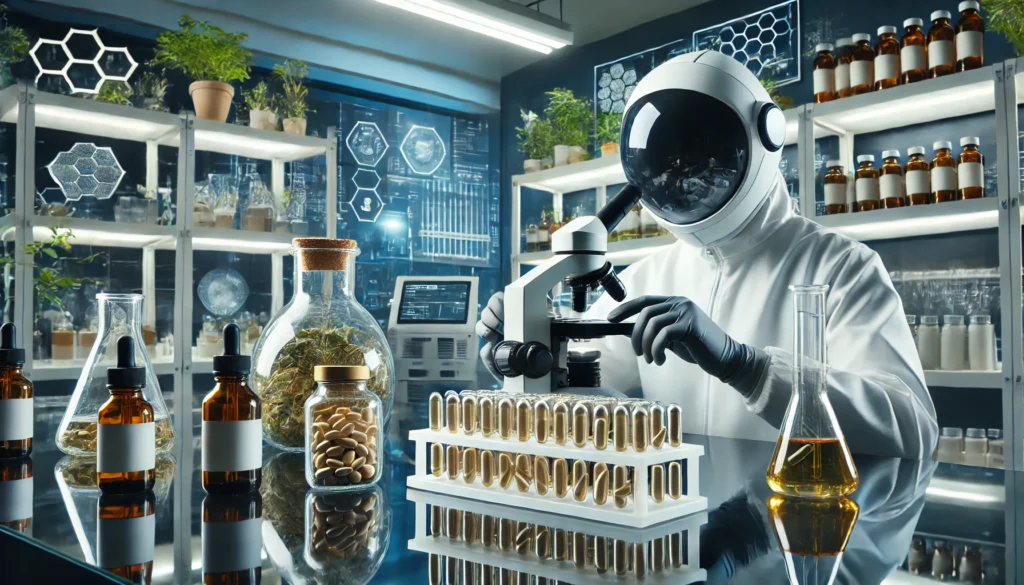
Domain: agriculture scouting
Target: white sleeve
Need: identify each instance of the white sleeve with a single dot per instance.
(875, 381)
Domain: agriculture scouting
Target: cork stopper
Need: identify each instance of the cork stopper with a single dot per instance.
(324, 254)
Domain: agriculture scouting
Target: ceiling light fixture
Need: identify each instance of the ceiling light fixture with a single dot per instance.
(494, 21)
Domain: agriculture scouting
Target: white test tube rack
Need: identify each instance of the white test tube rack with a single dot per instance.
(557, 571)
(640, 511)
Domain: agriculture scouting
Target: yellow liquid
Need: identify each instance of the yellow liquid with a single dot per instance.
(813, 527)
(812, 468)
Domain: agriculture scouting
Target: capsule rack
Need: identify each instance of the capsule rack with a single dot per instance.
(639, 512)
(684, 532)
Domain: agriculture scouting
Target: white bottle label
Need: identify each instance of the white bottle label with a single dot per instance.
(862, 73)
(232, 546)
(943, 179)
(543, 235)
(891, 186)
(971, 174)
(917, 182)
(531, 237)
(16, 499)
(125, 541)
(912, 57)
(842, 76)
(232, 446)
(867, 189)
(835, 193)
(940, 53)
(824, 80)
(969, 44)
(16, 419)
(887, 67)
(121, 448)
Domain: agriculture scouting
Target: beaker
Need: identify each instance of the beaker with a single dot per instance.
(119, 314)
(811, 458)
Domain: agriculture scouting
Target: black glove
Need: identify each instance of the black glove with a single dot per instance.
(678, 324)
(491, 327)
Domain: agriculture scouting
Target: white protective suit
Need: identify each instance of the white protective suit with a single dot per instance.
(876, 384)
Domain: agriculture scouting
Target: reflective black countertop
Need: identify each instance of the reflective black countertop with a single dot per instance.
(956, 521)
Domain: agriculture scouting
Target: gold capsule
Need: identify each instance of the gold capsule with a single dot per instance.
(524, 538)
(435, 569)
(486, 408)
(542, 542)
(436, 413)
(436, 520)
(641, 426)
(451, 412)
(580, 480)
(524, 472)
(620, 557)
(469, 570)
(541, 421)
(560, 415)
(469, 465)
(580, 424)
(675, 425)
(579, 549)
(658, 483)
(601, 427)
(453, 462)
(505, 535)
(469, 422)
(487, 529)
(620, 486)
(601, 481)
(639, 560)
(657, 415)
(436, 459)
(675, 480)
(505, 418)
(469, 526)
(453, 518)
(487, 468)
(506, 470)
(601, 555)
(560, 544)
(541, 474)
(451, 571)
(524, 419)
(620, 428)
(561, 478)
(657, 555)
(675, 549)
(487, 575)
(524, 578)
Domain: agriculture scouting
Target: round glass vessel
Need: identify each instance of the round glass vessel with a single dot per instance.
(323, 324)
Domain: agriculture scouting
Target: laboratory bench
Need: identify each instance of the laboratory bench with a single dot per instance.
(957, 521)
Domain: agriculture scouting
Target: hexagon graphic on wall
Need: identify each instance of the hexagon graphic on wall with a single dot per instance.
(767, 41)
(366, 179)
(367, 205)
(86, 169)
(366, 143)
(84, 72)
(423, 150)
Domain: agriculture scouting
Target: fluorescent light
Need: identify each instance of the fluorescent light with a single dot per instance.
(491, 25)
(587, 179)
(240, 245)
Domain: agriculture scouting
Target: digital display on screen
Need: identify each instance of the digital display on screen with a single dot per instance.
(434, 302)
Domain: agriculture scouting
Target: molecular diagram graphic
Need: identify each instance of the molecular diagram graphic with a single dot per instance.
(765, 41)
(614, 88)
(94, 61)
(423, 150)
(86, 170)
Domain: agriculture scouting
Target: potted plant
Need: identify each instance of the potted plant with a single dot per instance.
(570, 119)
(609, 124)
(292, 104)
(535, 140)
(115, 92)
(261, 108)
(1006, 17)
(210, 56)
(13, 48)
(149, 91)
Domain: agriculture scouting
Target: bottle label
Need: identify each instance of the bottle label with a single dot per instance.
(16, 499)
(969, 44)
(891, 186)
(943, 179)
(940, 53)
(862, 73)
(887, 67)
(971, 174)
(121, 448)
(835, 193)
(16, 419)
(232, 445)
(232, 546)
(912, 57)
(125, 541)
(824, 81)
(531, 237)
(842, 76)
(543, 236)
(867, 189)
(917, 182)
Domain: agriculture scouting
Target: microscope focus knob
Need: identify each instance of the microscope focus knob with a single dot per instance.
(514, 358)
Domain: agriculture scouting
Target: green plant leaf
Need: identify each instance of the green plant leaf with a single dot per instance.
(203, 51)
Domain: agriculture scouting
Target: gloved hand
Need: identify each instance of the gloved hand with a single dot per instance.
(491, 327)
(679, 325)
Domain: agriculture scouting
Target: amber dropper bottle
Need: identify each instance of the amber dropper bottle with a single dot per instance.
(126, 437)
(16, 414)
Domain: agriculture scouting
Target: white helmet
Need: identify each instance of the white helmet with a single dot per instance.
(701, 138)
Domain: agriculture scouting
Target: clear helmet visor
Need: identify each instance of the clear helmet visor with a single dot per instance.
(686, 151)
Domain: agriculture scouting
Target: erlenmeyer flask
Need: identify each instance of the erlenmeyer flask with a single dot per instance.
(119, 314)
(812, 535)
(811, 458)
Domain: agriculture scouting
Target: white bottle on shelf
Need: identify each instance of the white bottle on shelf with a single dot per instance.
(981, 343)
(954, 343)
(951, 445)
(975, 447)
(929, 342)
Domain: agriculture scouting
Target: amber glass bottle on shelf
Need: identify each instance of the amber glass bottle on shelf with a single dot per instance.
(918, 177)
(890, 180)
(943, 173)
(862, 68)
(544, 231)
(867, 183)
(835, 188)
(16, 402)
(887, 58)
(824, 73)
(970, 172)
(125, 445)
(844, 56)
(555, 226)
(232, 452)
(913, 54)
(231, 539)
(126, 535)
(941, 50)
(970, 37)
(16, 485)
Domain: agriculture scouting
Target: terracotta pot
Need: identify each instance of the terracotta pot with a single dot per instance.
(262, 119)
(531, 165)
(609, 149)
(561, 155)
(295, 126)
(211, 99)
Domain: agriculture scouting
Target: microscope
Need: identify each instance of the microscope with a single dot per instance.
(533, 356)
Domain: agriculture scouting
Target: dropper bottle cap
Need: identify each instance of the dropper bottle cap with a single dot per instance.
(126, 374)
(9, 354)
(232, 363)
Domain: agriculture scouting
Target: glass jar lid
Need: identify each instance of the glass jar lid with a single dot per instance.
(981, 319)
(911, 319)
(929, 319)
(995, 433)
(341, 373)
(952, 432)
(953, 319)
(975, 433)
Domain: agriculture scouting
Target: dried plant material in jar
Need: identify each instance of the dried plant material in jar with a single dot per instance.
(344, 530)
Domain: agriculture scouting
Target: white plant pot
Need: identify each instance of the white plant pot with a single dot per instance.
(576, 154)
(531, 165)
(561, 155)
(294, 126)
(262, 119)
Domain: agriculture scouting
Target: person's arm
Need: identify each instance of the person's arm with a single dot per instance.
(875, 382)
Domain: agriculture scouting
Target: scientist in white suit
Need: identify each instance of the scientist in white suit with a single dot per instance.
(714, 328)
